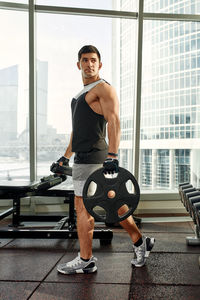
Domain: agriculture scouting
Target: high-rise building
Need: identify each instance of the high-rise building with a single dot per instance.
(170, 113)
(8, 104)
(42, 87)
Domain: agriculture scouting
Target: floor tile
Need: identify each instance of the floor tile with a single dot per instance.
(169, 268)
(121, 242)
(81, 291)
(16, 290)
(112, 268)
(173, 242)
(171, 272)
(162, 292)
(42, 244)
(167, 227)
(19, 264)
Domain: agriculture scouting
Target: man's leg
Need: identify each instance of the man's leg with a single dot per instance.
(142, 246)
(85, 228)
(84, 262)
(129, 225)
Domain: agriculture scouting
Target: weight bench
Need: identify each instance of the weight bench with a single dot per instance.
(65, 225)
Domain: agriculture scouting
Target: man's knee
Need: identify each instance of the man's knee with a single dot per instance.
(80, 207)
(82, 212)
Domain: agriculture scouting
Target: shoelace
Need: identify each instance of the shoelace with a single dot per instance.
(139, 252)
(74, 262)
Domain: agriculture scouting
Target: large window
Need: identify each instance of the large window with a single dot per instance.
(59, 39)
(167, 88)
(58, 78)
(14, 118)
(170, 101)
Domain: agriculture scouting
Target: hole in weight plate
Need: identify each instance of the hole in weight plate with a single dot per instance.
(91, 189)
(130, 187)
(100, 211)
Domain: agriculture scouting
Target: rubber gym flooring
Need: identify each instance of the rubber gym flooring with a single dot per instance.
(28, 268)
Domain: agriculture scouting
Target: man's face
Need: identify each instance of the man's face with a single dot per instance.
(89, 65)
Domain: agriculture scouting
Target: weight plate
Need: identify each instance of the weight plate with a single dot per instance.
(110, 195)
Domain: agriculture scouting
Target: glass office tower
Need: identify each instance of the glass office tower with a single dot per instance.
(8, 105)
(170, 113)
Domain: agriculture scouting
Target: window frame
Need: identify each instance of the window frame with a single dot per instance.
(140, 16)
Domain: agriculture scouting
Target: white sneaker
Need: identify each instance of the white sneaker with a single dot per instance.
(78, 265)
(142, 252)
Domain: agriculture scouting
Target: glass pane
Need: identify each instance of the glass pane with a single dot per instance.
(14, 136)
(126, 5)
(170, 105)
(126, 51)
(172, 6)
(58, 42)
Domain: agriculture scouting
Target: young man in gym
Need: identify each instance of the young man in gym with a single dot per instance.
(94, 107)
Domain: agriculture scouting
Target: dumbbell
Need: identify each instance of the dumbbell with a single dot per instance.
(57, 169)
(193, 197)
(184, 193)
(182, 188)
(188, 193)
(197, 219)
(182, 184)
(196, 211)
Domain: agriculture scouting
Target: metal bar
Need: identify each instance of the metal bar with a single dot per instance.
(6, 213)
(100, 12)
(56, 193)
(32, 92)
(137, 108)
(72, 218)
(85, 12)
(40, 218)
(13, 6)
(171, 17)
(51, 234)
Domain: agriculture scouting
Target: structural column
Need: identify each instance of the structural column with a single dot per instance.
(194, 167)
(171, 169)
(32, 91)
(154, 168)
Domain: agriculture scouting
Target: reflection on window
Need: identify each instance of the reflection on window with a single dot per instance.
(14, 128)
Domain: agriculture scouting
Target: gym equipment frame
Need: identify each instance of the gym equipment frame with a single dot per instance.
(44, 188)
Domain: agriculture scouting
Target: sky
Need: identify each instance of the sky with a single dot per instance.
(58, 39)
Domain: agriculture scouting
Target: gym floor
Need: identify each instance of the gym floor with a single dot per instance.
(28, 267)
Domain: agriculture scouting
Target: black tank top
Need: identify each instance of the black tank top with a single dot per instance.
(89, 130)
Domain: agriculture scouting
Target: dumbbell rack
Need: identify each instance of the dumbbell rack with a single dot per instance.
(190, 197)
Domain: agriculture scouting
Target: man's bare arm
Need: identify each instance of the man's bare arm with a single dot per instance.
(68, 152)
(110, 108)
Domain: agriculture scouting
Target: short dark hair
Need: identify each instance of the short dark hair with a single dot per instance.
(89, 49)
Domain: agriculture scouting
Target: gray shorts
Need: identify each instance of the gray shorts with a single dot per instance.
(80, 173)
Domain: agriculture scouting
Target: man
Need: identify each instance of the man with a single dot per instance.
(94, 107)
